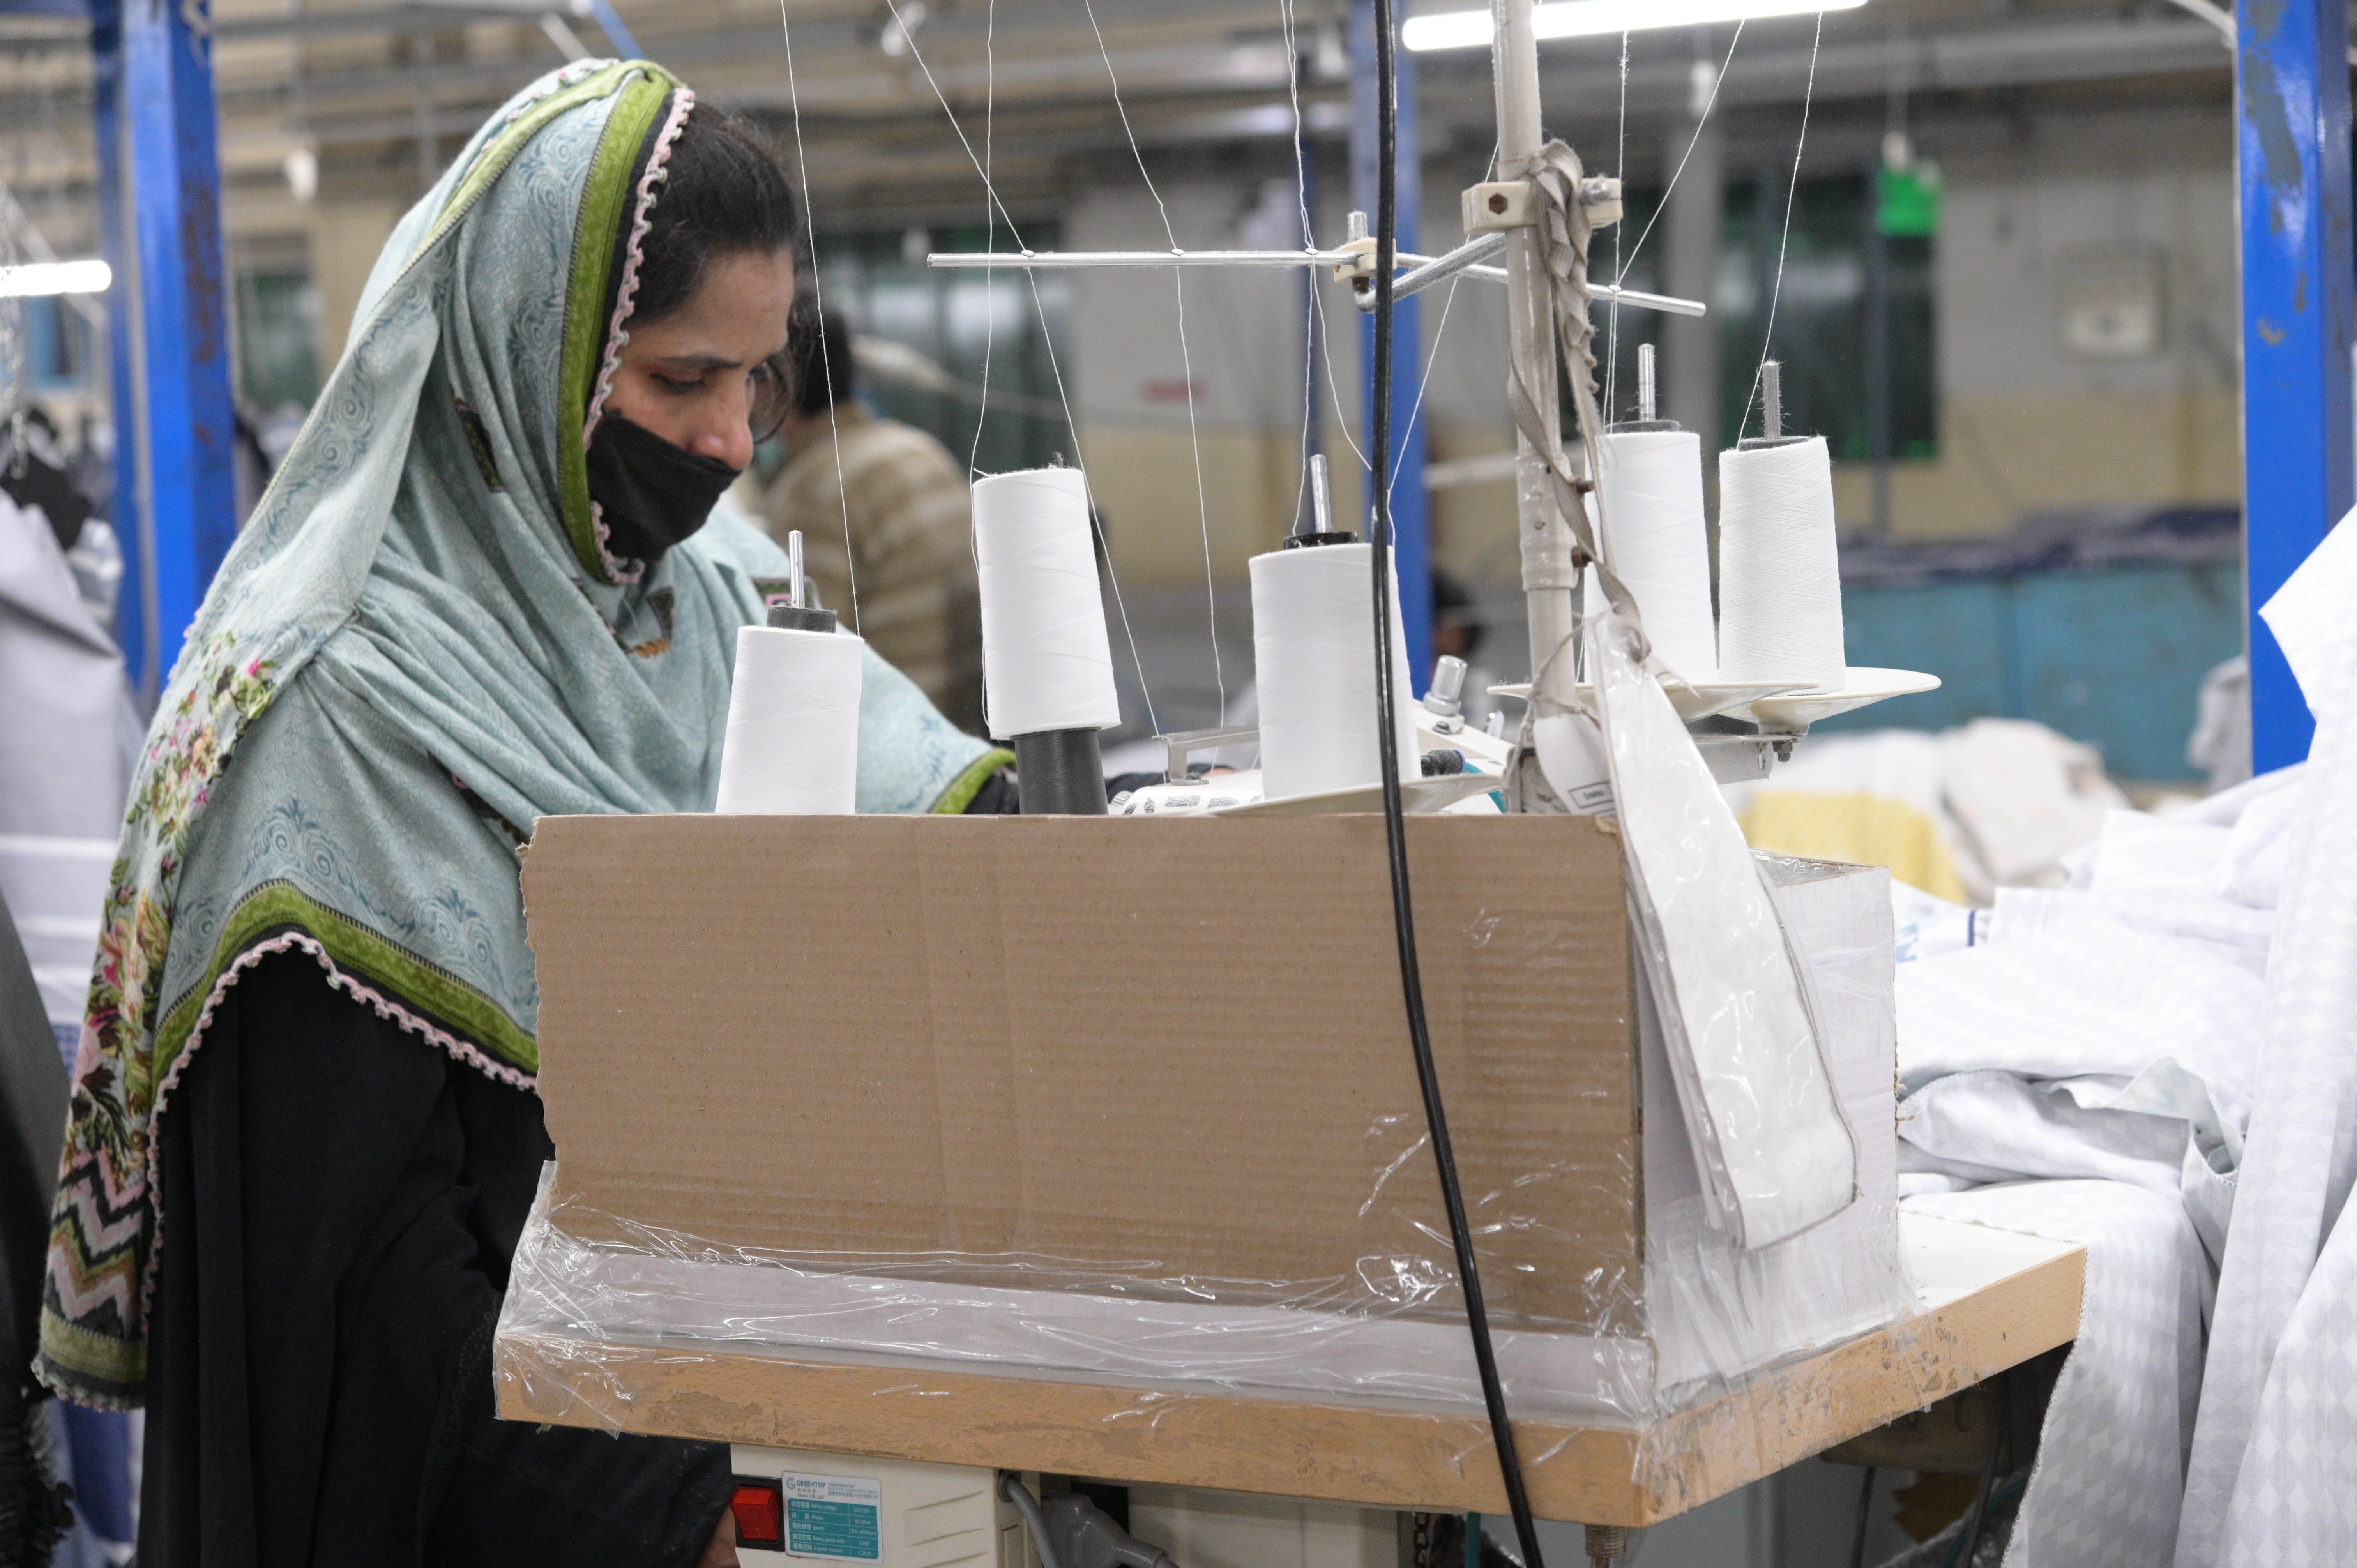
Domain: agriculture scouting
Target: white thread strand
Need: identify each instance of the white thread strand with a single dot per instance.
(1186, 362)
(1620, 273)
(792, 743)
(1047, 339)
(818, 298)
(1779, 566)
(1415, 410)
(1046, 662)
(1792, 199)
(1308, 242)
(1314, 648)
(1620, 266)
(990, 235)
(1655, 540)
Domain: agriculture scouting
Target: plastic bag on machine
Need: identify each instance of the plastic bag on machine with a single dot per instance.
(1776, 1155)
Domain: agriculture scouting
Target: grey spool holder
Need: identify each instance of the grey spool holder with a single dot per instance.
(1771, 410)
(797, 618)
(1061, 773)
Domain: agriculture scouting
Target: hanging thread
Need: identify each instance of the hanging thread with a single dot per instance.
(1779, 566)
(1314, 650)
(1655, 537)
(1047, 663)
(792, 745)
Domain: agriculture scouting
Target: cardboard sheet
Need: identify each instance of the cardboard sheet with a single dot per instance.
(1166, 1055)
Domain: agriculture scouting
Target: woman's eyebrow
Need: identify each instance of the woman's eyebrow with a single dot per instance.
(698, 362)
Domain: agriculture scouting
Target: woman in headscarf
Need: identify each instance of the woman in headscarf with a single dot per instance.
(488, 584)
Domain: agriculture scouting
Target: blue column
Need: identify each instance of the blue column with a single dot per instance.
(2292, 102)
(168, 324)
(1411, 511)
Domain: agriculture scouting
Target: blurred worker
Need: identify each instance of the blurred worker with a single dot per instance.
(906, 583)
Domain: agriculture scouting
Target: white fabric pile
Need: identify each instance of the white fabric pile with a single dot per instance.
(2077, 1063)
(2159, 1059)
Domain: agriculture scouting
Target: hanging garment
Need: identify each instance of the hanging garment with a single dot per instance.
(2272, 1477)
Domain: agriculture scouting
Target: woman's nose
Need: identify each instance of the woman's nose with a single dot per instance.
(726, 436)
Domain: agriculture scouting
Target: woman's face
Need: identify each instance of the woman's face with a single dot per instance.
(692, 378)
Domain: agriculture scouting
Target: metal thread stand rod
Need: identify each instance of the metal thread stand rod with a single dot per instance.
(1549, 579)
(1648, 399)
(1427, 270)
(1061, 773)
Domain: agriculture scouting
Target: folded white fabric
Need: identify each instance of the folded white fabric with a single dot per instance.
(2235, 932)
(2258, 849)
(2106, 1489)
(2085, 994)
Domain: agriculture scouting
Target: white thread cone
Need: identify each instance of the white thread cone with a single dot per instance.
(1047, 663)
(1314, 657)
(1657, 543)
(793, 743)
(1779, 567)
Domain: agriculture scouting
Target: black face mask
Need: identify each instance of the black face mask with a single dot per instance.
(649, 493)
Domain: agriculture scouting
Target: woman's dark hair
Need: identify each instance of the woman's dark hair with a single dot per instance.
(819, 345)
(723, 194)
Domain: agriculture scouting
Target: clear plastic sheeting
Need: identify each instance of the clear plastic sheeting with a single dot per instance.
(1617, 1300)
(1775, 1152)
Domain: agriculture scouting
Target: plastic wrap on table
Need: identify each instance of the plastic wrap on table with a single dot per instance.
(1694, 1312)
(841, 1226)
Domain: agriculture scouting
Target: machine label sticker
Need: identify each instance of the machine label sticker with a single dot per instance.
(836, 1517)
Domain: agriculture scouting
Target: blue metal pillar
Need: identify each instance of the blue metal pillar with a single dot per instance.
(1411, 509)
(2292, 102)
(168, 322)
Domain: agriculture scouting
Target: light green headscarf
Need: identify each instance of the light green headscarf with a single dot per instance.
(419, 645)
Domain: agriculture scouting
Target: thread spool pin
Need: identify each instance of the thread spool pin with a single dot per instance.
(794, 568)
(1647, 401)
(1772, 399)
(1321, 510)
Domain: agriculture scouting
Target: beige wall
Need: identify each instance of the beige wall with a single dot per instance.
(2001, 456)
(346, 236)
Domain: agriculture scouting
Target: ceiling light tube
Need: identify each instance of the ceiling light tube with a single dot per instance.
(36, 278)
(1585, 19)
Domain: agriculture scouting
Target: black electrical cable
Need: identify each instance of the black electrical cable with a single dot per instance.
(2000, 1442)
(1460, 1233)
(1865, 1513)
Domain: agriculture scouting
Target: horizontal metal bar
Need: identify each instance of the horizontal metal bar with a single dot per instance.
(1043, 258)
(1017, 259)
(1668, 304)
(1479, 248)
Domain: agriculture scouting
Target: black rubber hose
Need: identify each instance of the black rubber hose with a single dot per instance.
(1460, 1233)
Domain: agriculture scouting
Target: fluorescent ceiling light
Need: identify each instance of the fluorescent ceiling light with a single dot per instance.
(1583, 18)
(55, 277)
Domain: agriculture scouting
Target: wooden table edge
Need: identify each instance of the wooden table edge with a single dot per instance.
(1375, 1455)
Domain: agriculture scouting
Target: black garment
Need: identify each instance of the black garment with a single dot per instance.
(341, 1203)
(32, 1127)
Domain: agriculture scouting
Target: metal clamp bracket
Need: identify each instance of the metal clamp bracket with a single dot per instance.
(1495, 206)
(1180, 745)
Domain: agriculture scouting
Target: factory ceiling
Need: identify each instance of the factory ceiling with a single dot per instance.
(379, 95)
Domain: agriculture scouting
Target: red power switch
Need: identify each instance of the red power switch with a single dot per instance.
(759, 1505)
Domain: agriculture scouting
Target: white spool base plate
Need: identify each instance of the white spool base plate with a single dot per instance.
(1692, 703)
(1861, 688)
(1418, 797)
